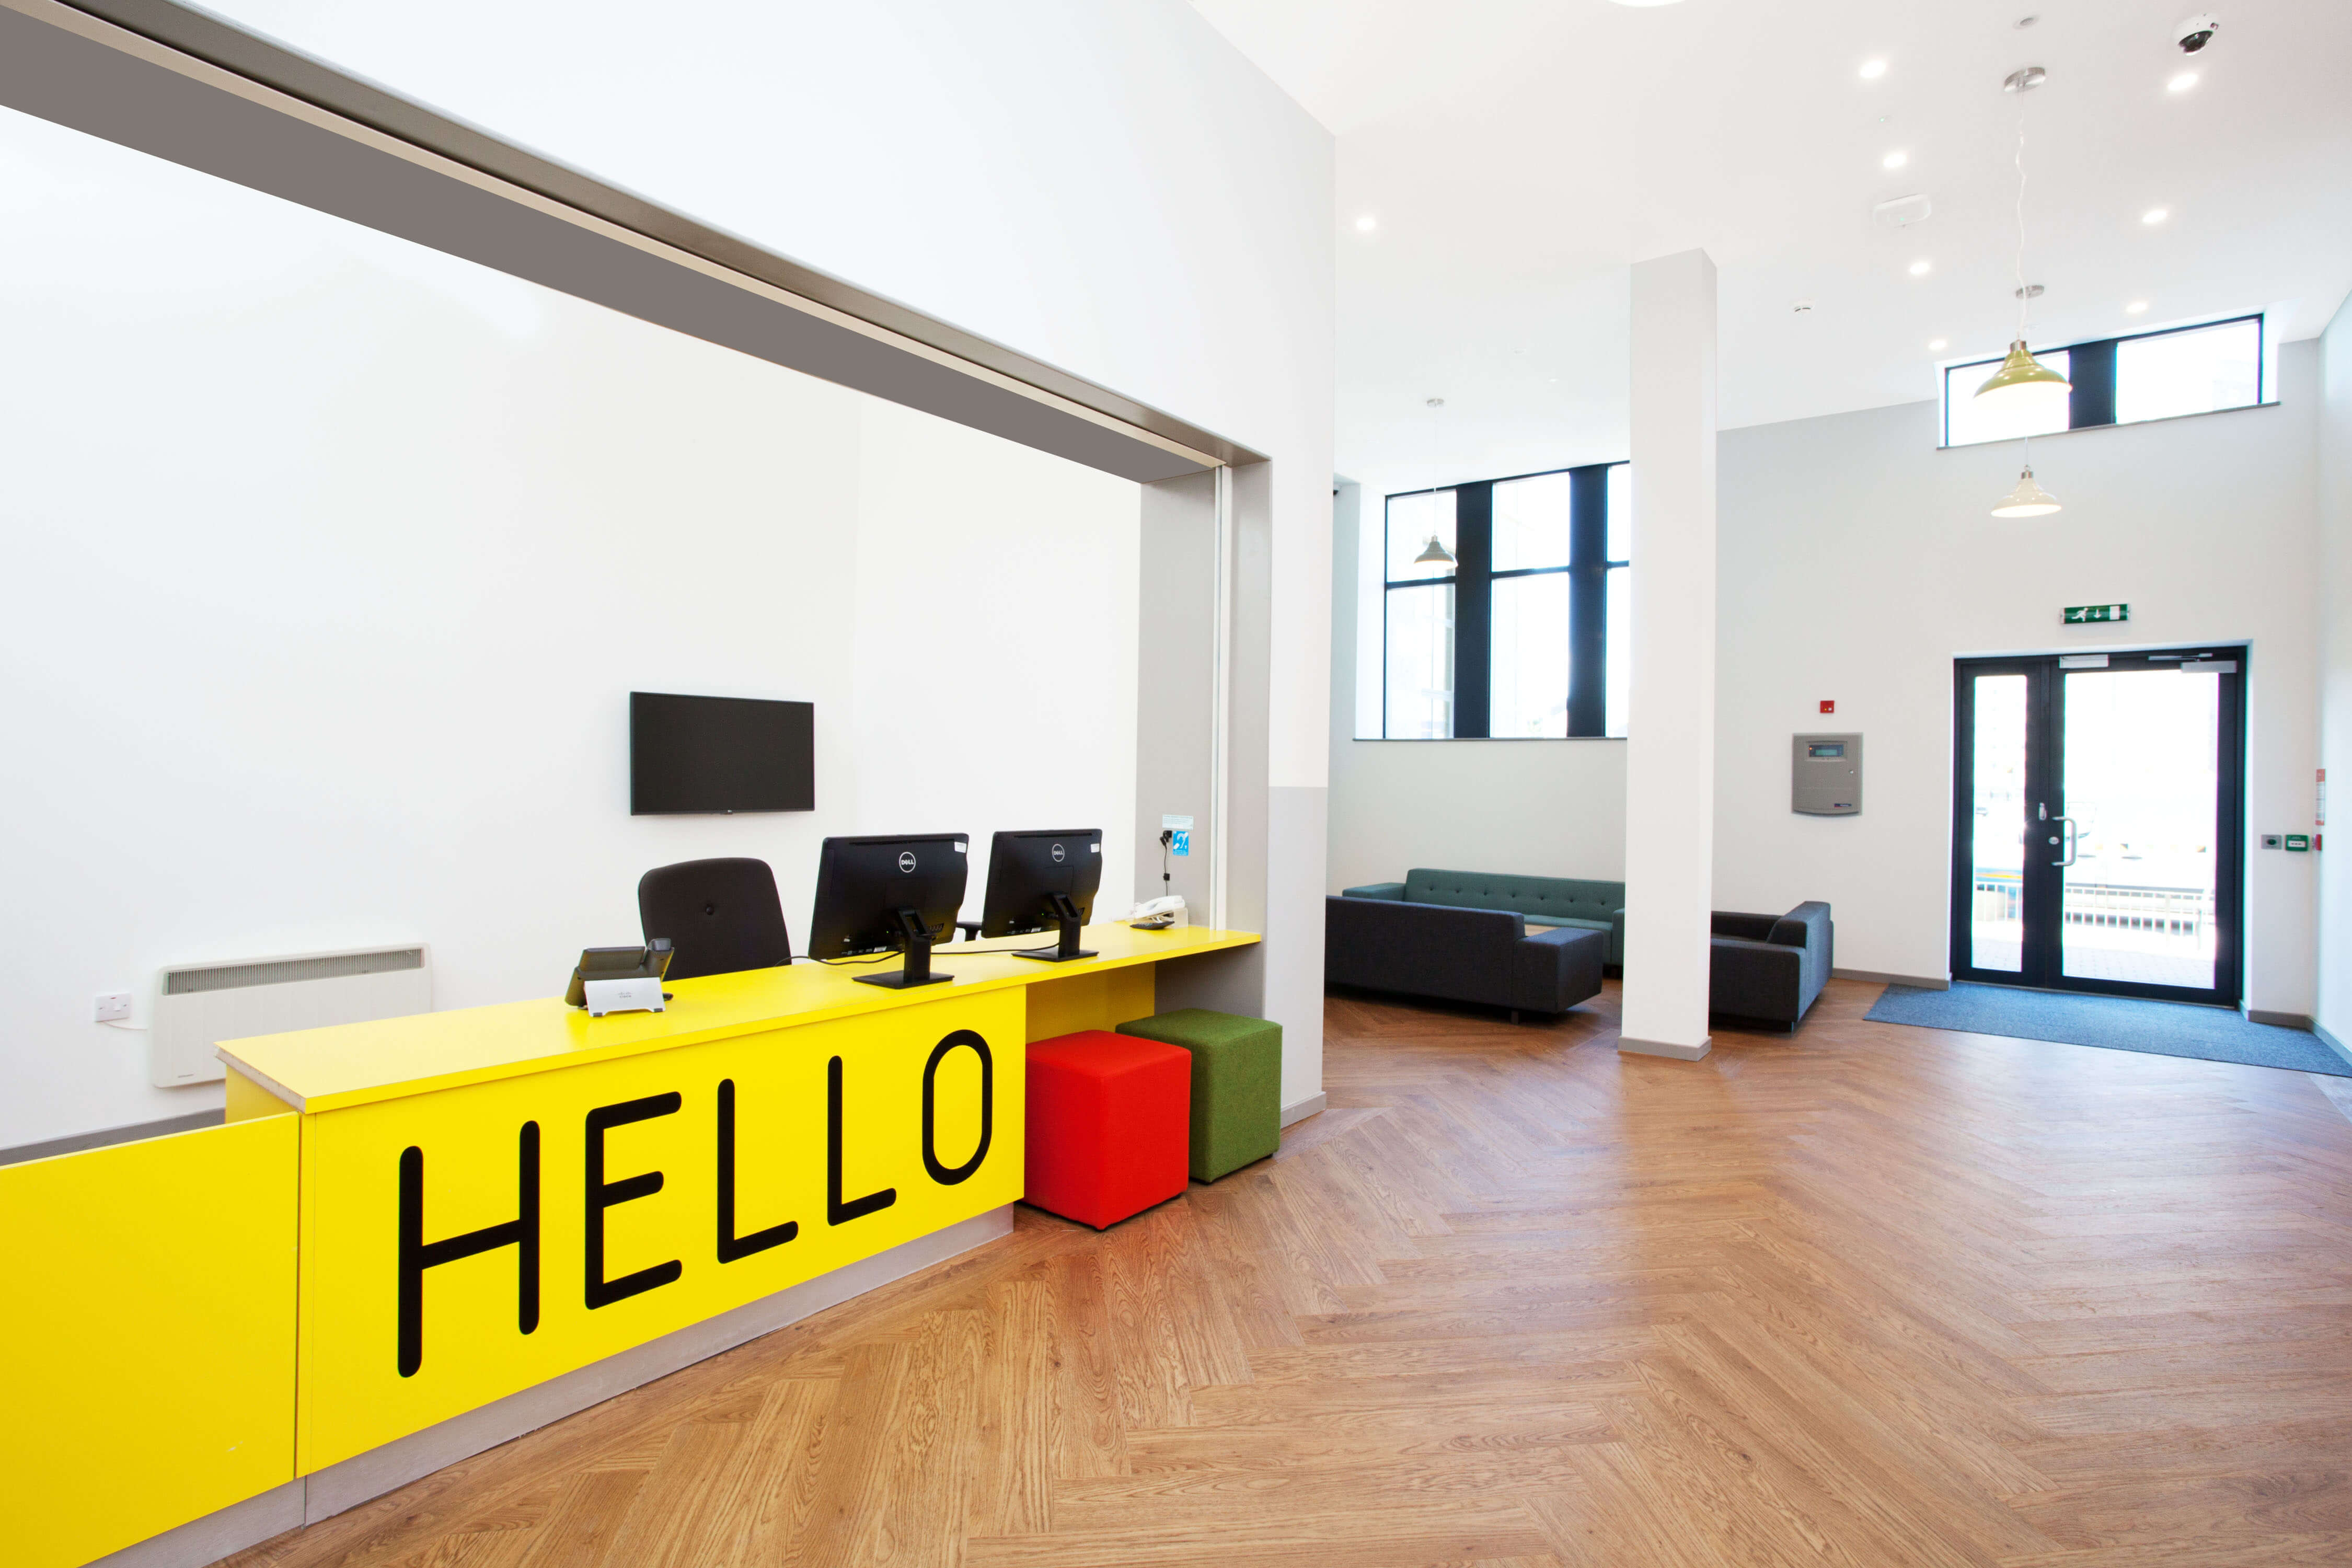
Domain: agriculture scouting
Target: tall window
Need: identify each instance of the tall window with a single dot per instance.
(1508, 608)
(2119, 380)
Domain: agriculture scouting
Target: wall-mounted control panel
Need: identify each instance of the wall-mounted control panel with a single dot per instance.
(1825, 775)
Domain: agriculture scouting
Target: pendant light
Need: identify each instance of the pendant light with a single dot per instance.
(2023, 385)
(1433, 554)
(2028, 500)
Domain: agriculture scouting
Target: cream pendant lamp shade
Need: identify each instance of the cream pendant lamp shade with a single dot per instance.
(2028, 500)
(1433, 554)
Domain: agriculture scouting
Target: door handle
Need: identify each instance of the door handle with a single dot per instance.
(2066, 823)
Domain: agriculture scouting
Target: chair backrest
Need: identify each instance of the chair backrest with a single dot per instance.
(719, 915)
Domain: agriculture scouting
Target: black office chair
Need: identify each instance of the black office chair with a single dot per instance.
(720, 915)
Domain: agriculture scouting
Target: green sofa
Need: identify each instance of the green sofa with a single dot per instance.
(1540, 900)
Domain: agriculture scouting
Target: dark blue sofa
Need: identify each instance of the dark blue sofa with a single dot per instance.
(1770, 967)
(1484, 956)
(1577, 903)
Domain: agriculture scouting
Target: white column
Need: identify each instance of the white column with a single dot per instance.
(1670, 730)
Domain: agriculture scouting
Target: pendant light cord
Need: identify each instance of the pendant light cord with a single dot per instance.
(2024, 297)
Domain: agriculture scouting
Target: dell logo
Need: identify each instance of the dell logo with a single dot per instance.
(906, 859)
(1058, 854)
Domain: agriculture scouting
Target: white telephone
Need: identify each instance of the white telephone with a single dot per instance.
(1159, 914)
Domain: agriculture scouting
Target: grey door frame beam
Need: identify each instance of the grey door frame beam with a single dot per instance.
(196, 90)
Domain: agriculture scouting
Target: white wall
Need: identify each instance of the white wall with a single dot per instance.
(2335, 868)
(1114, 189)
(1855, 561)
(1547, 808)
(1858, 561)
(336, 559)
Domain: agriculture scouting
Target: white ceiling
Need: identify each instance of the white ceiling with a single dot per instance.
(1518, 155)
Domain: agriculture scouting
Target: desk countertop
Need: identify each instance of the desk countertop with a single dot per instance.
(359, 1064)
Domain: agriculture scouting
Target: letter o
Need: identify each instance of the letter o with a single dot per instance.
(945, 1176)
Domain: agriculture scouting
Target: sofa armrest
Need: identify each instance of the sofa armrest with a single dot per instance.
(1804, 926)
(1376, 890)
(1747, 928)
(1553, 970)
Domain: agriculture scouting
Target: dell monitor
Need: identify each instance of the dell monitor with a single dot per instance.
(886, 895)
(1041, 881)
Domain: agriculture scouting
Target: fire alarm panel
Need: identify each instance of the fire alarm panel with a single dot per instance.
(1825, 775)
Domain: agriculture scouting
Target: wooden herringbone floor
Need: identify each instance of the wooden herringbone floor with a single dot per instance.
(1871, 1295)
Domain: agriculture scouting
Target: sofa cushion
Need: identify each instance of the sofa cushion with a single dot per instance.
(1565, 922)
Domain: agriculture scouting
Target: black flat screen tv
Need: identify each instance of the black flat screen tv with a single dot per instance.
(698, 755)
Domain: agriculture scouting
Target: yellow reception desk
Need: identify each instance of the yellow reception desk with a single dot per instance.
(484, 1200)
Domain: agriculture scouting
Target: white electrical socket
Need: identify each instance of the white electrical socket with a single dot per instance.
(113, 1006)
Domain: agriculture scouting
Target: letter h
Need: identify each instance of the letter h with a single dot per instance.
(417, 1255)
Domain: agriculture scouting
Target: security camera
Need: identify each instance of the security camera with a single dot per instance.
(2193, 32)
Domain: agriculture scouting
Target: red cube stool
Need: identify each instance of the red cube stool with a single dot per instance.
(1110, 1119)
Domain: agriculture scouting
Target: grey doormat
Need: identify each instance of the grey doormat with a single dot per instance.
(2112, 1023)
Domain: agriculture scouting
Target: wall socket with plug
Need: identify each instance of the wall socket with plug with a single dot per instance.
(113, 1006)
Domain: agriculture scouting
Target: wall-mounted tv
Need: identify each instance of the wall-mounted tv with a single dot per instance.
(690, 754)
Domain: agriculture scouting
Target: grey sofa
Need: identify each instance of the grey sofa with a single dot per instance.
(1485, 956)
(1562, 902)
(1770, 967)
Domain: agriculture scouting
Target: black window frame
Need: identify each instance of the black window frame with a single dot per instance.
(1472, 580)
(2092, 370)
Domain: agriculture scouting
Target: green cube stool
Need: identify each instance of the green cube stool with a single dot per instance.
(1236, 1084)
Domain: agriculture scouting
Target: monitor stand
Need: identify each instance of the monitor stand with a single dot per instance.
(1066, 912)
(919, 971)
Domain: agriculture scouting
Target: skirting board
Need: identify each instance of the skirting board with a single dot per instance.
(216, 1536)
(1304, 1109)
(2328, 1039)
(107, 1137)
(1661, 1049)
(2280, 1020)
(368, 1476)
(1919, 981)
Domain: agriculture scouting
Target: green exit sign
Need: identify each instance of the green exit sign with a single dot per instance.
(2089, 615)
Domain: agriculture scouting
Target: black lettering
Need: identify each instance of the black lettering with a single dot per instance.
(417, 1255)
(942, 1175)
(732, 1247)
(603, 1194)
(835, 1211)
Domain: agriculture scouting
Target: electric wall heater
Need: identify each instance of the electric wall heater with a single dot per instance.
(197, 1005)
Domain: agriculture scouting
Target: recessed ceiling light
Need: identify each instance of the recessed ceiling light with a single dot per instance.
(1872, 70)
(1937, 345)
(2155, 214)
(2182, 82)
(1894, 160)
(1642, 3)
(1434, 402)
(2135, 308)
(1366, 223)
(1919, 268)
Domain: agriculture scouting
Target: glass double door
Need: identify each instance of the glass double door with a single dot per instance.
(2098, 823)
